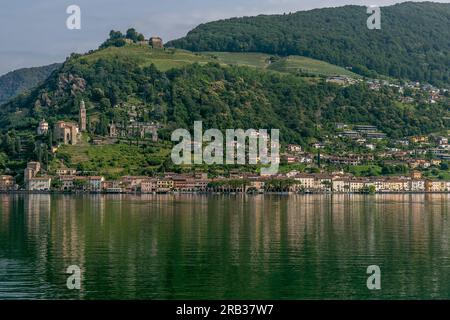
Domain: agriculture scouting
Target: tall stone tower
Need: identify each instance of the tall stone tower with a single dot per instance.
(82, 116)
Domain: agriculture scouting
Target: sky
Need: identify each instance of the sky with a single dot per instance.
(34, 32)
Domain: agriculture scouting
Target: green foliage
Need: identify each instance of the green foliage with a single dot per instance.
(365, 170)
(223, 97)
(394, 169)
(178, 93)
(3, 161)
(414, 42)
(19, 81)
(113, 160)
(117, 39)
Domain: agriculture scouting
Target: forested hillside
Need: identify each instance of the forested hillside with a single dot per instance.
(222, 96)
(413, 43)
(15, 82)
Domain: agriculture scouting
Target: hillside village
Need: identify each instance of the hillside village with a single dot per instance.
(409, 157)
(403, 160)
(357, 158)
(70, 180)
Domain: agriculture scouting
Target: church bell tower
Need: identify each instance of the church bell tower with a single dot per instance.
(82, 116)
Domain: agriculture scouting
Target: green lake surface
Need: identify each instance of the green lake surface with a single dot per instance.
(225, 246)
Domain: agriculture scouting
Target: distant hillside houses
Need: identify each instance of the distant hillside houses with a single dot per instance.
(134, 129)
(360, 131)
(69, 132)
(342, 80)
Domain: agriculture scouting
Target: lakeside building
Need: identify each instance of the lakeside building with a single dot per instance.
(196, 183)
(149, 186)
(132, 183)
(256, 185)
(112, 186)
(30, 172)
(236, 182)
(417, 185)
(306, 181)
(67, 183)
(164, 185)
(437, 186)
(7, 183)
(40, 184)
(81, 183)
(95, 183)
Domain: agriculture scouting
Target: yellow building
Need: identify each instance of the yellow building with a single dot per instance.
(7, 183)
(39, 184)
(437, 186)
(66, 132)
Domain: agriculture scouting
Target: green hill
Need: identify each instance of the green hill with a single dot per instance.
(166, 59)
(16, 82)
(413, 43)
(177, 87)
(290, 64)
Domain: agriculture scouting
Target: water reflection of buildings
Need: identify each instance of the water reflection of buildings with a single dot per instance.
(158, 240)
(56, 231)
(5, 210)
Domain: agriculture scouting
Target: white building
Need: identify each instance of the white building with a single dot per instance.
(95, 184)
(417, 185)
(42, 129)
(307, 182)
(39, 184)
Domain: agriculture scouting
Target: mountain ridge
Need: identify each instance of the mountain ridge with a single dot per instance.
(413, 43)
(18, 81)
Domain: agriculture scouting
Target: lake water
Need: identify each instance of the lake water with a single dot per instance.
(224, 247)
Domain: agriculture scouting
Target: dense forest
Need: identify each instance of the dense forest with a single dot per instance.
(221, 96)
(413, 43)
(113, 83)
(16, 82)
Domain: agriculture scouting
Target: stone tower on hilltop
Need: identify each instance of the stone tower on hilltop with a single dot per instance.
(82, 116)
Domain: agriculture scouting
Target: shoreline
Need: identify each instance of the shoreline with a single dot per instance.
(220, 193)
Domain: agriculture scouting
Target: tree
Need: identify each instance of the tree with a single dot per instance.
(102, 127)
(115, 34)
(56, 184)
(132, 34)
(3, 161)
(38, 151)
(80, 184)
(50, 139)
